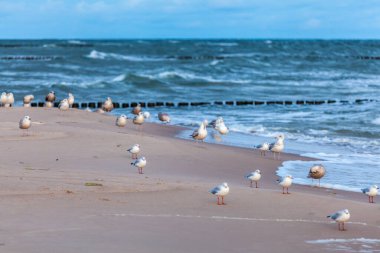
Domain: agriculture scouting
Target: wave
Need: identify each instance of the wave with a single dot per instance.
(94, 54)
(376, 121)
(223, 44)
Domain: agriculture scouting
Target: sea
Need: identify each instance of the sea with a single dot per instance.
(344, 134)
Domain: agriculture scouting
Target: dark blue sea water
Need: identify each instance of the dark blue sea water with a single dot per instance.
(346, 135)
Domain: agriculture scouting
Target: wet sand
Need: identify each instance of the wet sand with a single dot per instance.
(46, 206)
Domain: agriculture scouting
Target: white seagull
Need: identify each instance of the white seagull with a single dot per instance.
(137, 109)
(220, 191)
(278, 146)
(317, 172)
(139, 119)
(27, 100)
(254, 176)
(201, 132)
(10, 100)
(25, 123)
(371, 192)
(50, 97)
(71, 100)
(140, 164)
(107, 105)
(64, 105)
(146, 114)
(134, 150)
(263, 148)
(285, 182)
(340, 217)
(3, 98)
(121, 120)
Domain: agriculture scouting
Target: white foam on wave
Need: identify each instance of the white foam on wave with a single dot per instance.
(94, 54)
(119, 78)
(191, 76)
(332, 240)
(376, 121)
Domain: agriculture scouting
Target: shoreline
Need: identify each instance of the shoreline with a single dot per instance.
(49, 208)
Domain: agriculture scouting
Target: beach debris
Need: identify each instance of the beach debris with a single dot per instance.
(64, 105)
(92, 184)
(134, 150)
(71, 100)
(137, 109)
(371, 192)
(107, 105)
(278, 146)
(254, 176)
(27, 100)
(164, 117)
(317, 171)
(285, 182)
(121, 121)
(140, 163)
(201, 132)
(340, 217)
(263, 148)
(220, 191)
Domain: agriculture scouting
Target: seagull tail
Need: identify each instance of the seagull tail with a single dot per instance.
(328, 216)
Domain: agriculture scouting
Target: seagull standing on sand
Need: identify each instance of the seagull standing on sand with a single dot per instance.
(140, 164)
(134, 150)
(137, 109)
(263, 148)
(139, 119)
(107, 105)
(10, 100)
(3, 98)
(278, 146)
(64, 105)
(121, 120)
(254, 176)
(164, 117)
(201, 132)
(285, 182)
(25, 123)
(371, 192)
(71, 100)
(317, 172)
(340, 217)
(49, 99)
(220, 191)
(27, 100)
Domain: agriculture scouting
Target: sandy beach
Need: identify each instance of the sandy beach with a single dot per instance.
(47, 207)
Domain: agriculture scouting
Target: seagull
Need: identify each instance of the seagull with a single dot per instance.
(50, 97)
(10, 100)
(49, 104)
(285, 182)
(263, 148)
(137, 109)
(107, 105)
(201, 132)
(64, 105)
(371, 192)
(340, 217)
(134, 150)
(138, 119)
(25, 123)
(220, 191)
(278, 146)
(164, 117)
(27, 100)
(254, 176)
(3, 98)
(317, 172)
(121, 121)
(140, 164)
(221, 128)
(146, 115)
(71, 100)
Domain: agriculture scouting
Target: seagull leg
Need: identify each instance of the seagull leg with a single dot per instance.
(218, 200)
(256, 184)
(251, 184)
(223, 200)
(287, 190)
(283, 190)
(343, 227)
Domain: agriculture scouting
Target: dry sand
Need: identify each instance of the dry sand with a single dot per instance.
(46, 207)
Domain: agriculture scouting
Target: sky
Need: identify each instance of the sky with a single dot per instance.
(157, 19)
